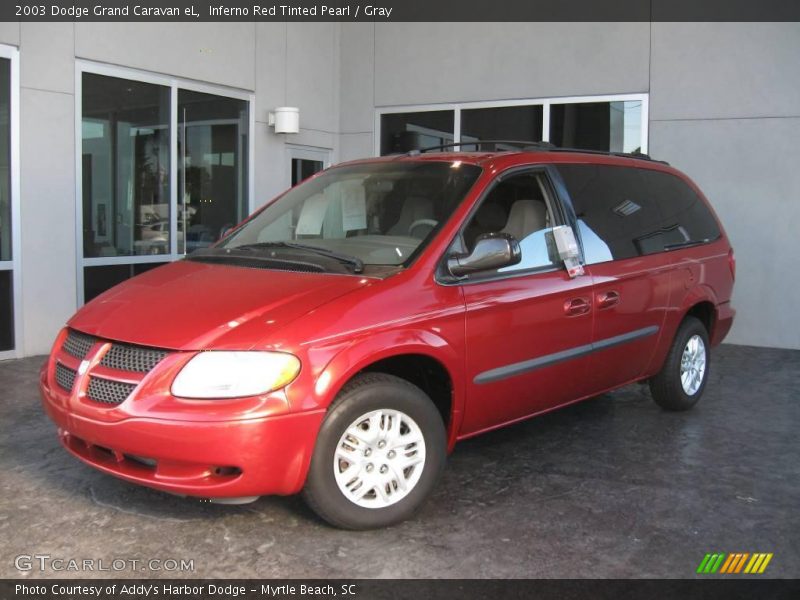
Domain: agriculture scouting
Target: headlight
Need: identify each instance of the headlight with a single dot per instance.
(235, 374)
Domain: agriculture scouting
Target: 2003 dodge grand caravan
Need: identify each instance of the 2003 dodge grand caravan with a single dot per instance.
(346, 336)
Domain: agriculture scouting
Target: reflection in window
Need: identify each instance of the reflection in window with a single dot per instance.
(6, 310)
(212, 176)
(125, 166)
(605, 126)
(625, 212)
(5, 159)
(402, 132)
(97, 280)
(503, 123)
(616, 211)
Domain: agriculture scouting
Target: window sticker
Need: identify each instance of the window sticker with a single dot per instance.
(312, 215)
(354, 207)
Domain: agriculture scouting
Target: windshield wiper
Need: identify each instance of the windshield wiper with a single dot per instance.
(355, 262)
(214, 255)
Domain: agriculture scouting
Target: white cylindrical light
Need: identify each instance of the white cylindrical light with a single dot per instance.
(286, 119)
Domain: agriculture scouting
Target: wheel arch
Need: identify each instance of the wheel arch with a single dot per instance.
(699, 302)
(418, 356)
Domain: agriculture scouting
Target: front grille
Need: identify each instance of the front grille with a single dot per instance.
(108, 391)
(125, 357)
(78, 344)
(65, 377)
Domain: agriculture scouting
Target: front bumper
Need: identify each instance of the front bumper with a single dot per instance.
(209, 459)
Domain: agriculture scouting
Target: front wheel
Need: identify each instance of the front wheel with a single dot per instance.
(682, 379)
(379, 454)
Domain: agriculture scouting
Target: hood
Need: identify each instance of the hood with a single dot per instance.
(194, 306)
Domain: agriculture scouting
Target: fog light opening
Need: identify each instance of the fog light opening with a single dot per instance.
(227, 471)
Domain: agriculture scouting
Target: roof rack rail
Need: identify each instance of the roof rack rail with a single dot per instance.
(534, 145)
(522, 144)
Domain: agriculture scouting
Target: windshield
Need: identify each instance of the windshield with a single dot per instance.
(372, 214)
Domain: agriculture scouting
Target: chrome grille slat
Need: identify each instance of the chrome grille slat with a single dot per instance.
(78, 344)
(107, 391)
(65, 377)
(126, 357)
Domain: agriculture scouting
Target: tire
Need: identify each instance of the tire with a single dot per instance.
(381, 409)
(669, 389)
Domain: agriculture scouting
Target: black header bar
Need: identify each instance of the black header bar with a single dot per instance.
(361, 589)
(399, 10)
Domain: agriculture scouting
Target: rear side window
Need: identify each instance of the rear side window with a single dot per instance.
(617, 215)
(686, 218)
(625, 212)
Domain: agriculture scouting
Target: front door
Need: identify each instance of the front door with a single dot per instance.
(528, 326)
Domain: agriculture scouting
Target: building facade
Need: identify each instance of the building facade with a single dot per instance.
(126, 145)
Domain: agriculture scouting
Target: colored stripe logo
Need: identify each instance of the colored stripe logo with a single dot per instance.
(737, 562)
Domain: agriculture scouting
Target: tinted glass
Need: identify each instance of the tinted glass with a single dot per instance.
(625, 212)
(5, 159)
(97, 280)
(380, 213)
(212, 167)
(6, 310)
(686, 218)
(125, 166)
(617, 212)
(401, 132)
(504, 123)
(607, 126)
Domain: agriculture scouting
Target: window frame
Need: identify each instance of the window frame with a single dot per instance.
(11, 53)
(174, 84)
(559, 215)
(301, 152)
(545, 103)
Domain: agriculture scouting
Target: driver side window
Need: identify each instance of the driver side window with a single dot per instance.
(518, 206)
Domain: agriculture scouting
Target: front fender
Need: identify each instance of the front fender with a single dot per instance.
(372, 348)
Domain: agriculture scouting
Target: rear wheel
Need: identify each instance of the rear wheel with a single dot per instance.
(682, 379)
(380, 452)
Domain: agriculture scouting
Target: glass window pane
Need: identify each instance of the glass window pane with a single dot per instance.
(303, 168)
(213, 163)
(6, 310)
(5, 159)
(686, 218)
(617, 211)
(517, 206)
(381, 213)
(125, 167)
(402, 132)
(518, 123)
(605, 126)
(97, 280)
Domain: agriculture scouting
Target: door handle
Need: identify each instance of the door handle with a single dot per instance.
(607, 299)
(577, 306)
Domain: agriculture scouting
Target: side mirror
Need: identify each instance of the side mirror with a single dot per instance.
(568, 250)
(492, 251)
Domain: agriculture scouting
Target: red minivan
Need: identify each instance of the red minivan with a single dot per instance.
(341, 340)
